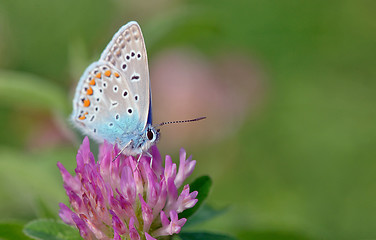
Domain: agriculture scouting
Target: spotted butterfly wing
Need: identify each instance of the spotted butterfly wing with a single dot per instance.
(113, 100)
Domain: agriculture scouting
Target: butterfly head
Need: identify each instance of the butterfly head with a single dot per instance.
(151, 136)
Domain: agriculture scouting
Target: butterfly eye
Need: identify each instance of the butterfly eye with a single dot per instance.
(150, 135)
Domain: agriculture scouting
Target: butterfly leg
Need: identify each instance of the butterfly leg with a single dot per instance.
(123, 150)
(151, 159)
(138, 161)
(139, 158)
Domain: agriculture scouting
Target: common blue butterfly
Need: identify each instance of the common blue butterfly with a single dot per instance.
(113, 97)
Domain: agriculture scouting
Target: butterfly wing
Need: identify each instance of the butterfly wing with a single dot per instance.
(112, 98)
(127, 52)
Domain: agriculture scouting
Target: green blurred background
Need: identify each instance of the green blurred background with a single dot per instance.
(300, 162)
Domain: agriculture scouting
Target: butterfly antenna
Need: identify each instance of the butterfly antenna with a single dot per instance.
(180, 121)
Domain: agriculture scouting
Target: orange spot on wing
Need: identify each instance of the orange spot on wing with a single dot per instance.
(116, 74)
(99, 75)
(86, 102)
(90, 91)
(107, 73)
(92, 82)
(83, 117)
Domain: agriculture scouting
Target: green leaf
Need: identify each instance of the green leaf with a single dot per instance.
(12, 230)
(204, 235)
(45, 229)
(205, 213)
(202, 185)
(272, 234)
(30, 91)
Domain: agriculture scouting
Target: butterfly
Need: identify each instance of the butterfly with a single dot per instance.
(113, 97)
